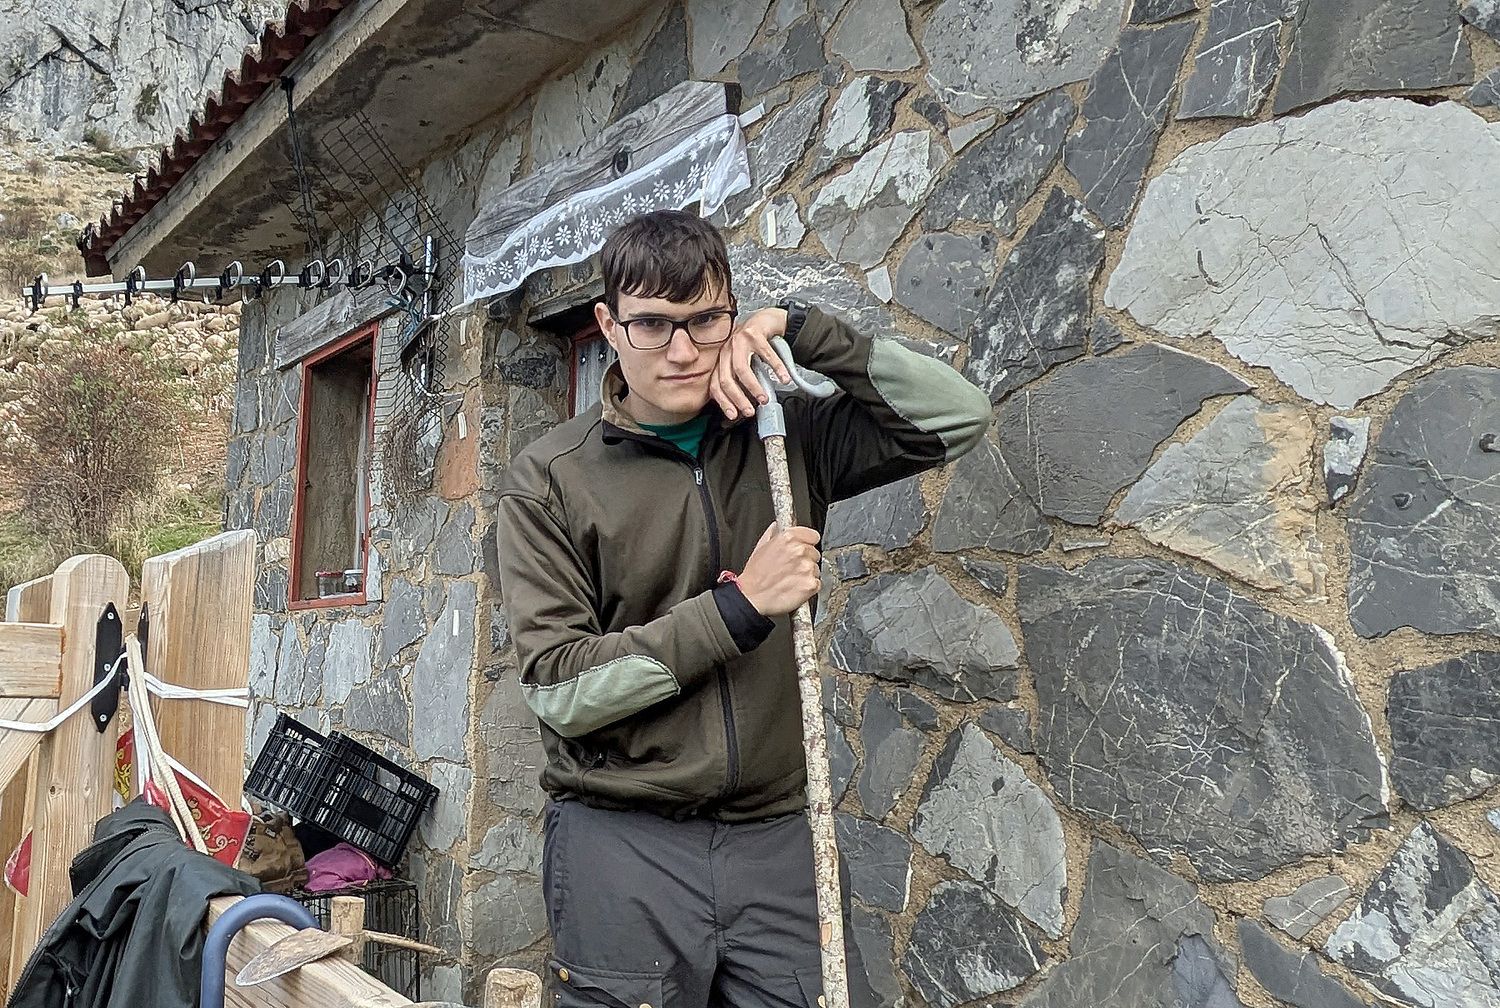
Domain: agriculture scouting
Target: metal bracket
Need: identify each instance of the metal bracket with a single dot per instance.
(109, 645)
(109, 640)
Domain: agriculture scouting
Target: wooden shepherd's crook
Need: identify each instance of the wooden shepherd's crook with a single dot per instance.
(771, 425)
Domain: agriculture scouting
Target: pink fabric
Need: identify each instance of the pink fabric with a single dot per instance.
(341, 866)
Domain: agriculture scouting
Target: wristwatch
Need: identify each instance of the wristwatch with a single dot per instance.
(796, 315)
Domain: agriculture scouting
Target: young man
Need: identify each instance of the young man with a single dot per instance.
(678, 859)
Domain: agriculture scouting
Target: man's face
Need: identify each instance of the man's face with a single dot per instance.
(670, 384)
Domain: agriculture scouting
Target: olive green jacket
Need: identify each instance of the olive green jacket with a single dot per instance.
(656, 688)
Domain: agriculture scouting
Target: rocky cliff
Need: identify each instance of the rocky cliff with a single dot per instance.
(130, 71)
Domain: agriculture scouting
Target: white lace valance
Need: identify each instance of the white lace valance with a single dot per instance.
(707, 165)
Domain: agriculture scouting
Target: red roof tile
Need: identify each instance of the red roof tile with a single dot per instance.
(260, 68)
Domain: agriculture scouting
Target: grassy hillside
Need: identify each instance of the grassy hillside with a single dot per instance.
(61, 370)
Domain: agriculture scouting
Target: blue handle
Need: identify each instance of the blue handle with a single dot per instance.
(216, 948)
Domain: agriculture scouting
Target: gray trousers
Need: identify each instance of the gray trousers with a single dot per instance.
(648, 912)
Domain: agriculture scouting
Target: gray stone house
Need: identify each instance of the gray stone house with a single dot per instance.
(1179, 691)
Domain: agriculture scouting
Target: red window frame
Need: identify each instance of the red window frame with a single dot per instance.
(369, 333)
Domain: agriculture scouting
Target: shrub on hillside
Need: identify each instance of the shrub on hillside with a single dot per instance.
(96, 429)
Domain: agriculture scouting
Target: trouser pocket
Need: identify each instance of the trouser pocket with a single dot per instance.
(577, 986)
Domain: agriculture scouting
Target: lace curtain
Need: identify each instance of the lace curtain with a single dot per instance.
(706, 167)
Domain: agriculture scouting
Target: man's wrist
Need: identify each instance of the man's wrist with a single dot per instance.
(796, 316)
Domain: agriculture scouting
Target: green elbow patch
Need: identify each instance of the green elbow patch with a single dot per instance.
(600, 695)
(930, 396)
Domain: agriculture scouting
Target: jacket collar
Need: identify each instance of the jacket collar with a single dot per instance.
(620, 425)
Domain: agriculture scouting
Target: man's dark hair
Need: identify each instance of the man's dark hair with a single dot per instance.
(664, 254)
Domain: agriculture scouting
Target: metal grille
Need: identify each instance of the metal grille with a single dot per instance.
(390, 907)
(383, 217)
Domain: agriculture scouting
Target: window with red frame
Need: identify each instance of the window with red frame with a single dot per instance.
(331, 517)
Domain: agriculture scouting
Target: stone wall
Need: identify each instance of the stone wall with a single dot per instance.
(1179, 691)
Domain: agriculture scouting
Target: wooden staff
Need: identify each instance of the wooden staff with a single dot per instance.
(771, 425)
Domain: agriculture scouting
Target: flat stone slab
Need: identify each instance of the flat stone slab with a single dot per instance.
(1124, 113)
(721, 31)
(1427, 929)
(1292, 977)
(1238, 495)
(1422, 543)
(985, 507)
(1139, 725)
(763, 276)
(1143, 940)
(893, 745)
(1038, 313)
(440, 677)
(1076, 439)
(1486, 93)
(966, 944)
(1482, 14)
(890, 517)
(915, 628)
(944, 278)
(1445, 730)
(1309, 905)
(860, 214)
(874, 36)
(878, 860)
(992, 179)
(1337, 297)
(860, 115)
(1348, 440)
(1237, 59)
(994, 54)
(1373, 45)
(981, 813)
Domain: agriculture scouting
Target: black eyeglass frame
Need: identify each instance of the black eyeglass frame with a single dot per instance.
(732, 312)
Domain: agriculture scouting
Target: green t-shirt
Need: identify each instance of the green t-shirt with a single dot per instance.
(687, 435)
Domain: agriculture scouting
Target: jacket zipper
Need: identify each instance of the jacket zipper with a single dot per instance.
(715, 563)
(731, 736)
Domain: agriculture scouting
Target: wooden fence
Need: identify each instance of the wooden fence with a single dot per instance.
(197, 603)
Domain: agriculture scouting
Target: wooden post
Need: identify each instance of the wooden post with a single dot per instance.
(346, 916)
(25, 603)
(75, 765)
(199, 604)
(512, 988)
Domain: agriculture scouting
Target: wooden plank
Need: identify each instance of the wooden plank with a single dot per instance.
(333, 318)
(649, 131)
(328, 983)
(75, 765)
(200, 607)
(30, 602)
(15, 801)
(30, 660)
(18, 747)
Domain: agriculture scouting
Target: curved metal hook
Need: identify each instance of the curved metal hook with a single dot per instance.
(186, 274)
(312, 274)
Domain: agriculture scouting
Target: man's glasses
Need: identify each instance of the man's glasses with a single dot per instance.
(652, 332)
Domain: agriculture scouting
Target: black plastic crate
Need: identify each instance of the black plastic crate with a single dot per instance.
(341, 786)
(371, 802)
(392, 907)
(293, 768)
